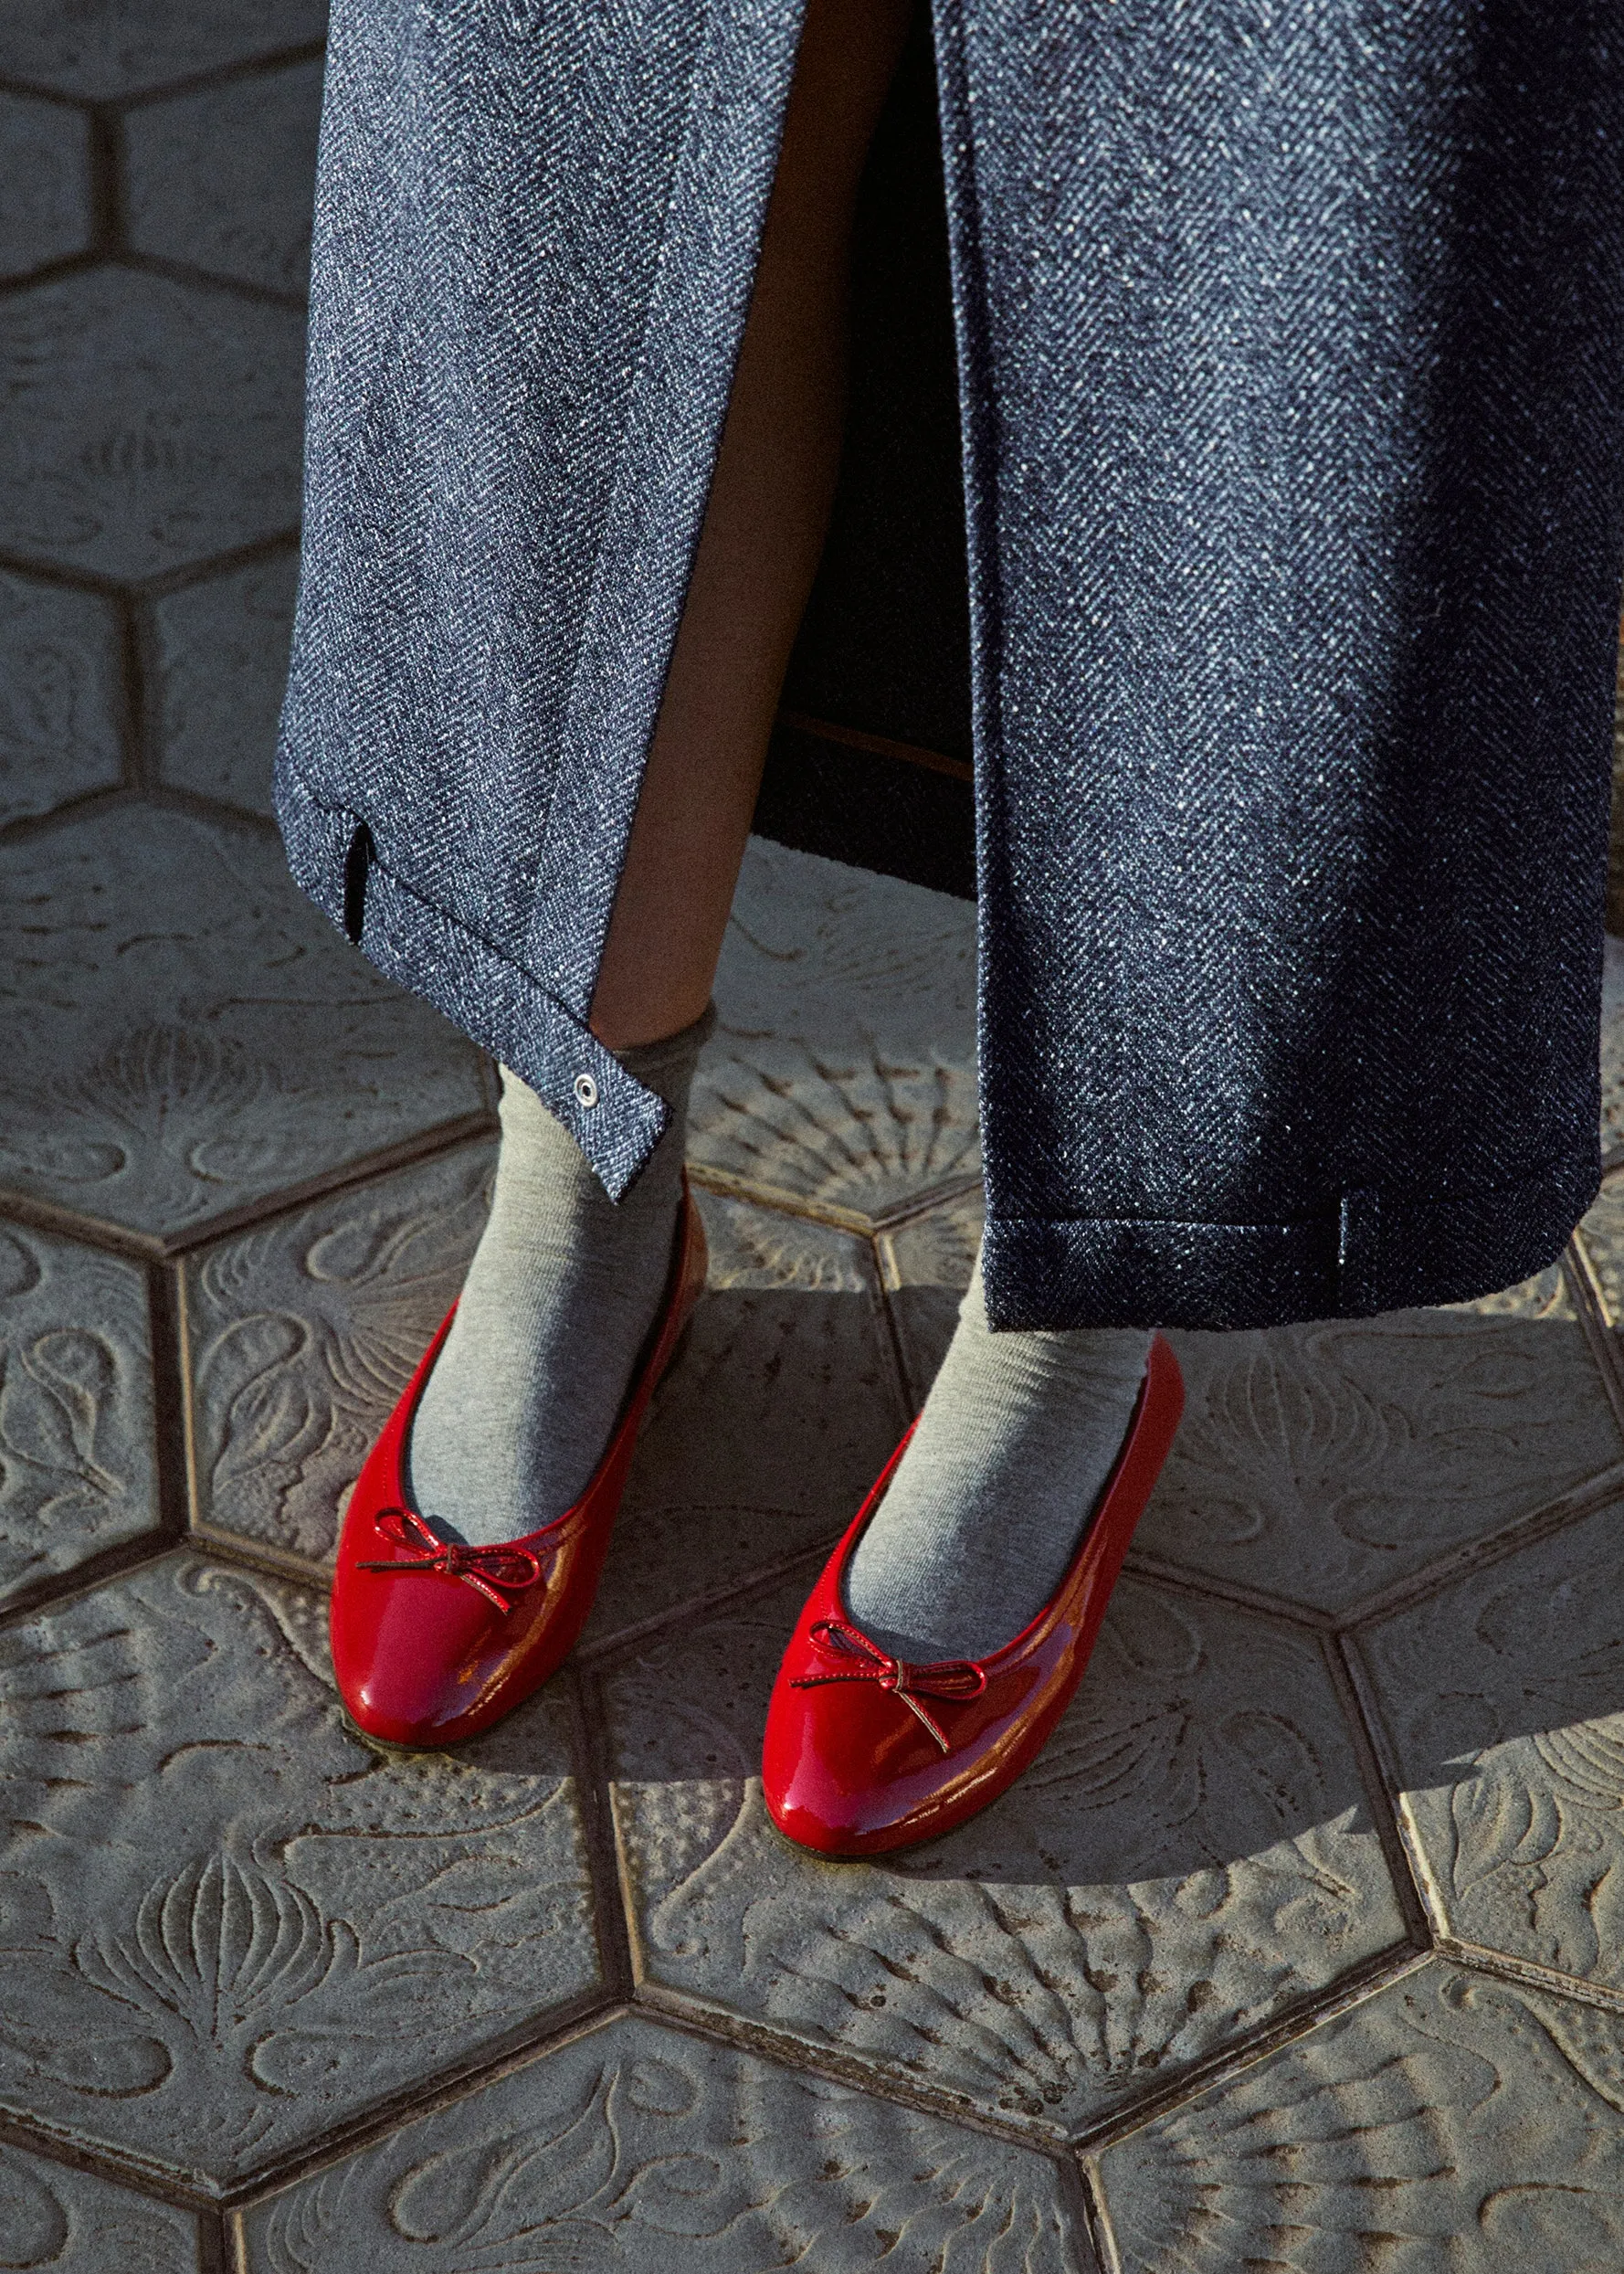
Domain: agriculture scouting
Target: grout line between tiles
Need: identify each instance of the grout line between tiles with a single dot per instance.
(1581, 1500)
(1389, 1770)
(160, 583)
(1584, 1285)
(139, 687)
(166, 1328)
(57, 1592)
(610, 1910)
(609, 1654)
(1158, 1571)
(718, 2025)
(1382, 1801)
(1228, 2063)
(36, 2137)
(223, 75)
(186, 272)
(214, 2252)
(566, 2027)
(1524, 1974)
(893, 1333)
(105, 141)
(1100, 2233)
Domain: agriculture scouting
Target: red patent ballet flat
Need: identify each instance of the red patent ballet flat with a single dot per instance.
(433, 1641)
(866, 1752)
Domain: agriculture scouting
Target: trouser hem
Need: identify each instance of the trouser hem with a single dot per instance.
(1372, 1251)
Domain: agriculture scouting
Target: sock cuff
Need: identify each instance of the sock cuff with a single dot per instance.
(666, 1066)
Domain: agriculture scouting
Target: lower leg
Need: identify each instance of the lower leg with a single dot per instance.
(986, 1508)
(565, 1284)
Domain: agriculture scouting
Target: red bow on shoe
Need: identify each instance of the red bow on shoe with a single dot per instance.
(491, 1570)
(942, 1677)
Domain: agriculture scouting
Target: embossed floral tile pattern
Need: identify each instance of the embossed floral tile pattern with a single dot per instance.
(229, 1924)
(74, 2223)
(768, 1432)
(302, 1334)
(78, 1466)
(1323, 1464)
(46, 215)
(187, 1033)
(1451, 2122)
(843, 1068)
(236, 1939)
(221, 179)
(636, 2151)
(1192, 1851)
(61, 697)
(222, 659)
(1503, 1696)
(149, 423)
(107, 47)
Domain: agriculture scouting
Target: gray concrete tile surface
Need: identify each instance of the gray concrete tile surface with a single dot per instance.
(1193, 1852)
(221, 649)
(302, 1333)
(61, 696)
(1323, 1464)
(765, 1436)
(1504, 1698)
(102, 48)
(1450, 2123)
(188, 1033)
(231, 1923)
(381, 1998)
(45, 214)
(638, 2151)
(75, 2223)
(842, 1070)
(220, 179)
(79, 1458)
(150, 423)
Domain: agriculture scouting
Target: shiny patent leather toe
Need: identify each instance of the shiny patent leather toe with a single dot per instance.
(866, 1752)
(433, 1641)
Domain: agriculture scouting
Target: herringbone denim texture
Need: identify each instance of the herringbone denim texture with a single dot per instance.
(1291, 342)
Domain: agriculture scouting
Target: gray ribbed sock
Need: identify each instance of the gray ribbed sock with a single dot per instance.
(558, 1301)
(984, 1514)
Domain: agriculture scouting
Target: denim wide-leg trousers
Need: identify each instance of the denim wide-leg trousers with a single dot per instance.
(1290, 347)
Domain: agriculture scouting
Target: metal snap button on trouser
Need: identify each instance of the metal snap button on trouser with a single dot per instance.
(585, 1092)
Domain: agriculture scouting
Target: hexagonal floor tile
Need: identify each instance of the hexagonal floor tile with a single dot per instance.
(636, 2150)
(843, 1070)
(767, 1434)
(222, 655)
(302, 1333)
(223, 179)
(1448, 2121)
(47, 212)
(151, 423)
(61, 696)
(78, 1458)
(1324, 1464)
(1191, 1854)
(107, 47)
(1505, 1698)
(76, 2223)
(926, 1263)
(231, 1926)
(188, 1034)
